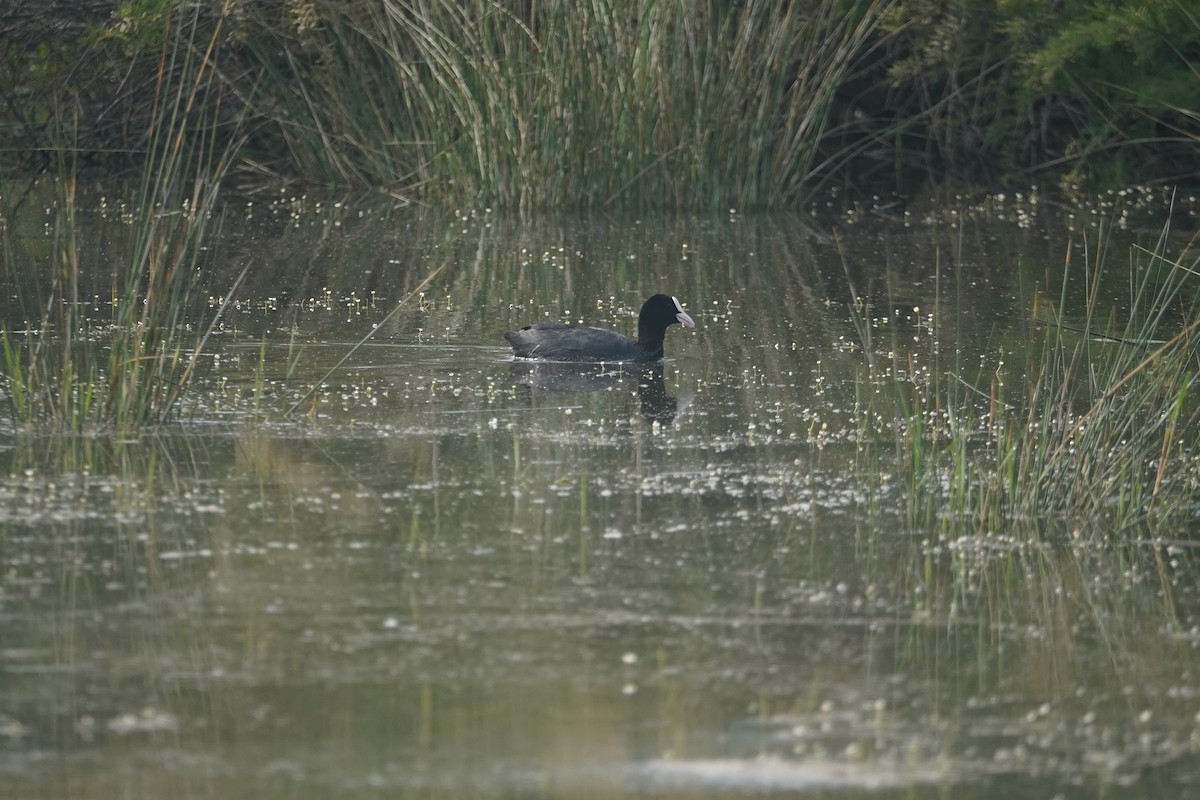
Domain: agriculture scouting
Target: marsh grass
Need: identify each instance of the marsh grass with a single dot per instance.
(565, 104)
(1093, 426)
(70, 369)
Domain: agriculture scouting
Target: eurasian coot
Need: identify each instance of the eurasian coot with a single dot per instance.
(554, 341)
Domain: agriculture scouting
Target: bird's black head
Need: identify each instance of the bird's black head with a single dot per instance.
(656, 315)
(662, 310)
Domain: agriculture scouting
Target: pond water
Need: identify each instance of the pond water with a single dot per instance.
(446, 574)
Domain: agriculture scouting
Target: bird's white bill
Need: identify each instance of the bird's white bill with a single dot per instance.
(682, 316)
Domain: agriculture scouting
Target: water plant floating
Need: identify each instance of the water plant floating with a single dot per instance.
(557, 341)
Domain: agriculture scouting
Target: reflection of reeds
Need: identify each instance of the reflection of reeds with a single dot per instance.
(65, 368)
(1099, 431)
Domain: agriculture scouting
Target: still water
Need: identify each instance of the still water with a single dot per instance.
(446, 574)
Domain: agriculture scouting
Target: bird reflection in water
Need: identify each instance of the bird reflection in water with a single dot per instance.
(563, 378)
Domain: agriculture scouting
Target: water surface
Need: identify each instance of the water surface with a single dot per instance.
(446, 574)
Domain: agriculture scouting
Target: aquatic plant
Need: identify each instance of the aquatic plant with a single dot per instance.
(563, 103)
(1094, 425)
(69, 369)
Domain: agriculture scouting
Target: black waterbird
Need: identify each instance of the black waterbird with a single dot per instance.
(556, 341)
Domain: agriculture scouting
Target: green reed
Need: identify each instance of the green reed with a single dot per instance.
(1107, 430)
(564, 103)
(73, 368)
(1093, 426)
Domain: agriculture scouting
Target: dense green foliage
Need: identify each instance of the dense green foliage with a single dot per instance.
(613, 102)
(1086, 92)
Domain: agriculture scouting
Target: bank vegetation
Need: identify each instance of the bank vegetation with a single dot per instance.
(612, 103)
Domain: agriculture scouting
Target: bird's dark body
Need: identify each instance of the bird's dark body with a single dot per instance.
(556, 341)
